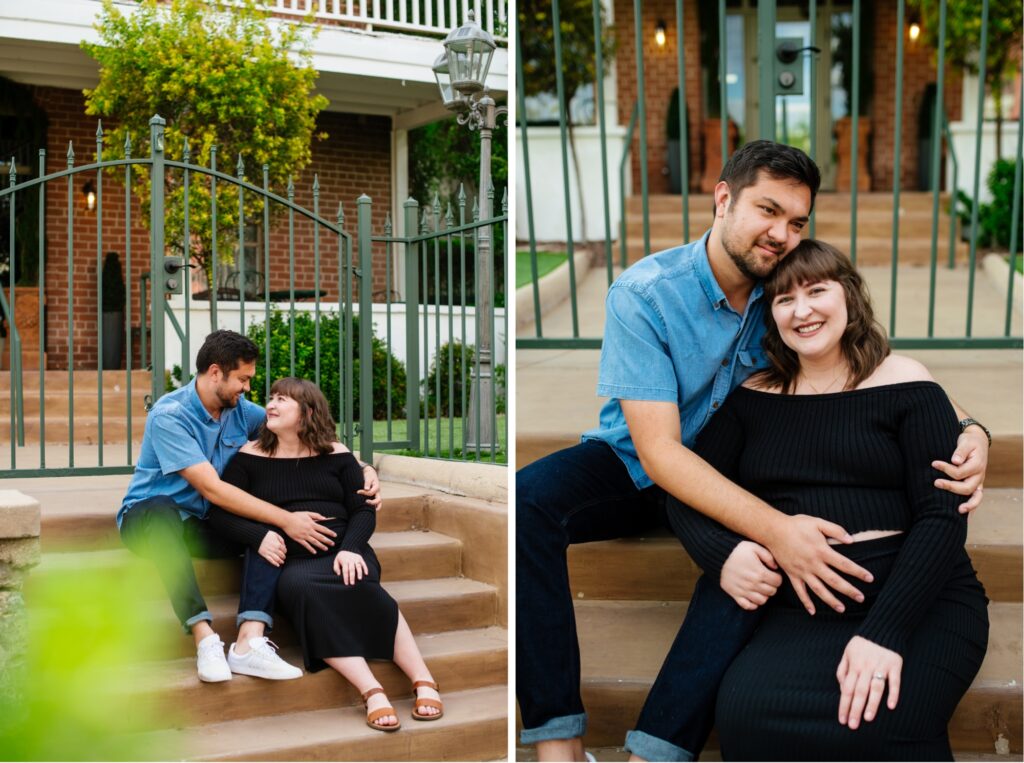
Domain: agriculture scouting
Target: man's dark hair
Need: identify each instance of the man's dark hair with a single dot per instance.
(776, 160)
(228, 349)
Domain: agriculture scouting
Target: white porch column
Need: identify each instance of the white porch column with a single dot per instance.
(400, 192)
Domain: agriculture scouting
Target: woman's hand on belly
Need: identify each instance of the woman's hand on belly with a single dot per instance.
(350, 566)
(863, 673)
(749, 575)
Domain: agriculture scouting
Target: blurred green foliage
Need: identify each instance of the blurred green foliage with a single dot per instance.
(77, 695)
(455, 362)
(330, 381)
(995, 218)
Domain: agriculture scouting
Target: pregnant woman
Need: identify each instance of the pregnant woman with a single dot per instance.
(333, 598)
(841, 429)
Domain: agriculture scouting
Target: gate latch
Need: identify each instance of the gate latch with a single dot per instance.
(789, 65)
(174, 282)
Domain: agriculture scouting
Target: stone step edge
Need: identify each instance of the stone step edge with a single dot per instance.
(342, 734)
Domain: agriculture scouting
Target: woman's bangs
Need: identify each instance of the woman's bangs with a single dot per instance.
(810, 262)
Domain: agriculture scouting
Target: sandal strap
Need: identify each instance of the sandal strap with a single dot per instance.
(370, 692)
(427, 684)
(427, 702)
(380, 713)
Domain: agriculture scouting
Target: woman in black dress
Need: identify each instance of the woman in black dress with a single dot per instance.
(333, 599)
(839, 428)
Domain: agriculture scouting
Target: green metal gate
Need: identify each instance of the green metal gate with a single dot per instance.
(167, 275)
(772, 78)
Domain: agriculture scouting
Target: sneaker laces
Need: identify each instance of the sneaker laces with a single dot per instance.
(212, 647)
(265, 648)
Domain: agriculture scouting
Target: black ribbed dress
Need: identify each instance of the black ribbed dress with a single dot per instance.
(330, 618)
(861, 459)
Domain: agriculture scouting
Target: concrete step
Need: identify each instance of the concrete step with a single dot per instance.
(57, 404)
(871, 249)
(459, 660)
(829, 226)
(433, 605)
(70, 525)
(596, 570)
(622, 646)
(409, 555)
(86, 429)
(56, 380)
(474, 727)
(827, 202)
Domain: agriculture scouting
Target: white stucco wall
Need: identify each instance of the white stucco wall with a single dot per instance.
(965, 134)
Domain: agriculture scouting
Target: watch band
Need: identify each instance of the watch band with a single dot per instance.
(964, 423)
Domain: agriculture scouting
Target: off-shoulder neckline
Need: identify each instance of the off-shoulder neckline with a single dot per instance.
(295, 458)
(847, 393)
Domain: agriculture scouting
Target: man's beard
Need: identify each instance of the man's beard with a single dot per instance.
(749, 264)
(229, 401)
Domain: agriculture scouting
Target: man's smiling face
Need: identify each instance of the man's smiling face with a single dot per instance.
(763, 223)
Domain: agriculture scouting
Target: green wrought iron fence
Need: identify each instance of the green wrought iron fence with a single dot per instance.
(165, 299)
(768, 51)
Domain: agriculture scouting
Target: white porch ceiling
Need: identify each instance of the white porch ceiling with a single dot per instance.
(360, 72)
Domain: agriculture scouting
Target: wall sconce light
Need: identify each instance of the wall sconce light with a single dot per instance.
(913, 24)
(659, 33)
(89, 192)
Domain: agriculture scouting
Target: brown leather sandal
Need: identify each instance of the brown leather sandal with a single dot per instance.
(425, 702)
(380, 712)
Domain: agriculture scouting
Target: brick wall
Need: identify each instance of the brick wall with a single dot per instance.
(918, 71)
(354, 159)
(661, 76)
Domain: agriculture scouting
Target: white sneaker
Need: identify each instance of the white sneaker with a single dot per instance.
(210, 661)
(262, 661)
(590, 757)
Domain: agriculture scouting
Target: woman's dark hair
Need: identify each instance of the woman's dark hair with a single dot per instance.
(776, 160)
(863, 343)
(227, 349)
(316, 427)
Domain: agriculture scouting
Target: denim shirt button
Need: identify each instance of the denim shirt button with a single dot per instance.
(715, 405)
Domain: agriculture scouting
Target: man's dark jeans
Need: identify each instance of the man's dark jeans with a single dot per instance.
(154, 529)
(584, 494)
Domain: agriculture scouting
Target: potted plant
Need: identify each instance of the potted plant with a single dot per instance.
(113, 311)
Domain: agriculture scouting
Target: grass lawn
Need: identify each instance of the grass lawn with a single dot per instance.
(398, 432)
(1020, 264)
(546, 262)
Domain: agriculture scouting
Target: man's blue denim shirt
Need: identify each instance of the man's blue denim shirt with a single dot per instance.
(180, 433)
(670, 335)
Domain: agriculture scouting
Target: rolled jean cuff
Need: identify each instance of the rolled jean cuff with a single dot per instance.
(653, 749)
(563, 727)
(254, 614)
(204, 615)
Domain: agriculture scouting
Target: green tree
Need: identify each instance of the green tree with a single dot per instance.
(221, 76)
(579, 58)
(963, 43)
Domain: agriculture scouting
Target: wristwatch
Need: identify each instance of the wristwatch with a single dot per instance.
(964, 423)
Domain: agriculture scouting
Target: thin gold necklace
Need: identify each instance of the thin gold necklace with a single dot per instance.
(829, 385)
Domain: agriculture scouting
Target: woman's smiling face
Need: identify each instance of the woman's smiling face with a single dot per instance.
(812, 318)
(283, 414)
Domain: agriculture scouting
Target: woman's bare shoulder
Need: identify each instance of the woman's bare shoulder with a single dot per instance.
(760, 383)
(898, 369)
(252, 448)
(340, 448)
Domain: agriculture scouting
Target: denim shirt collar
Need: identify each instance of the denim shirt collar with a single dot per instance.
(197, 403)
(702, 267)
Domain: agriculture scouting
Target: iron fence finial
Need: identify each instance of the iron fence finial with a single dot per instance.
(128, 146)
(71, 154)
(449, 216)
(13, 172)
(341, 214)
(291, 188)
(186, 152)
(316, 183)
(240, 166)
(504, 201)
(99, 130)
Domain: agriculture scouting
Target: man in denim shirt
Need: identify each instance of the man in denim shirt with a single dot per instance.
(190, 436)
(683, 329)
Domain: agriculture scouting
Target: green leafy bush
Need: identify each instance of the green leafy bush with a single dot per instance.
(994, 218)
(330, 381)
(452, 405)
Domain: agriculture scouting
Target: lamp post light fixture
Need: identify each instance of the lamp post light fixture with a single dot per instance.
(461, 74)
